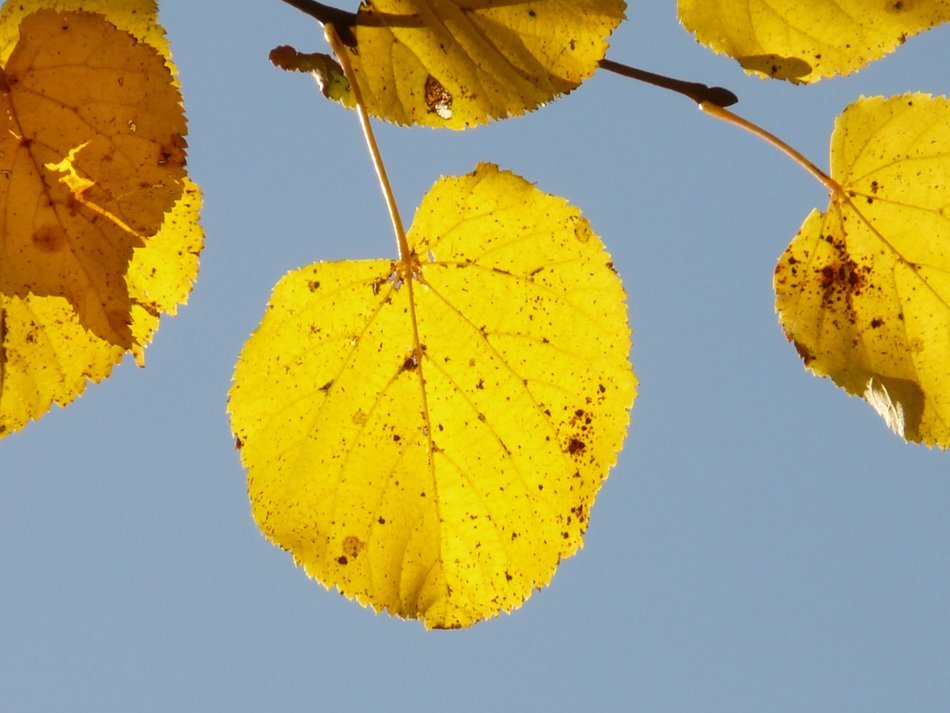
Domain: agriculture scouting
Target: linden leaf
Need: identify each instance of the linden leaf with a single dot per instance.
(47, 356)
(460, 63)
(93, 152)
(429, 438)
(808, 41)
(137, 17)
(863, 290)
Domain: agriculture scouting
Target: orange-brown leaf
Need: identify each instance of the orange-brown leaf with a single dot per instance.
(92, 152)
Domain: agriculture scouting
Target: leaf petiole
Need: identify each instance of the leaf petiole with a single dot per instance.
(729, 117)
(336, 43)
(713, 101)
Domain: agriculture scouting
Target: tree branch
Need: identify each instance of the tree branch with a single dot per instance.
(342, 20)
(699, 93)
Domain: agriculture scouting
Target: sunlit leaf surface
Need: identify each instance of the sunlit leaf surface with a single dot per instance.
(864, 289)
(429, 437)
(804, 41)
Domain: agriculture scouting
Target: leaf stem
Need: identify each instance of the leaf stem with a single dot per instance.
(729, 117)
(340, 51)
(406, 258)
(699, 93)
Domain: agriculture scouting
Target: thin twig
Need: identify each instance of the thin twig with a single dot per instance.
(699, 93)
(342, 20)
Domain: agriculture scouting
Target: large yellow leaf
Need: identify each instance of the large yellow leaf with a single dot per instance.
(459, 63)
(808, 40)
(429, 438)
(47, 356)
(863, 290)
(92, 146)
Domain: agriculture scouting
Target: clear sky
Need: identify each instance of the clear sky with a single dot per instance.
(764, 544)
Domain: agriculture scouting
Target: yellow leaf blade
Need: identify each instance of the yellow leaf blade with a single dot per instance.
(47, 356)
(459, 63)
(808, 41)
(863, 290)
(430, 438)
(93, 143)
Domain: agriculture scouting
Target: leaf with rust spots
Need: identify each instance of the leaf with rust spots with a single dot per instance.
(863, 290)
(47, 356)
(429, 436)
(808, 40)
(460, 63)
(93, 150)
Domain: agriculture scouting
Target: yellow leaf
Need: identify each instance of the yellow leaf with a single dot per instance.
(93, 150)
(808, 41)
(47, 356)
(863, 290)
(459, 63)
(137, 17)
(430, 437)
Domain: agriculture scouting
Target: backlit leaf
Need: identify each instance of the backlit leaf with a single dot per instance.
(47, 356)
(863, 290)
(137, 17)
(429, 438)
(92, 149)
(459, 63)
(804, 41)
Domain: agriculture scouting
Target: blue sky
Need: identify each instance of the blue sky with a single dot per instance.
(764, 543)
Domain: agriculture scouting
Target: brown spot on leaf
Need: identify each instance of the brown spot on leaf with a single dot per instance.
(437, 98)
(803, 352)
(582, 231)
(411, 363)
(49, 238)
(575, 446)
(842, 278)
(352, 546)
